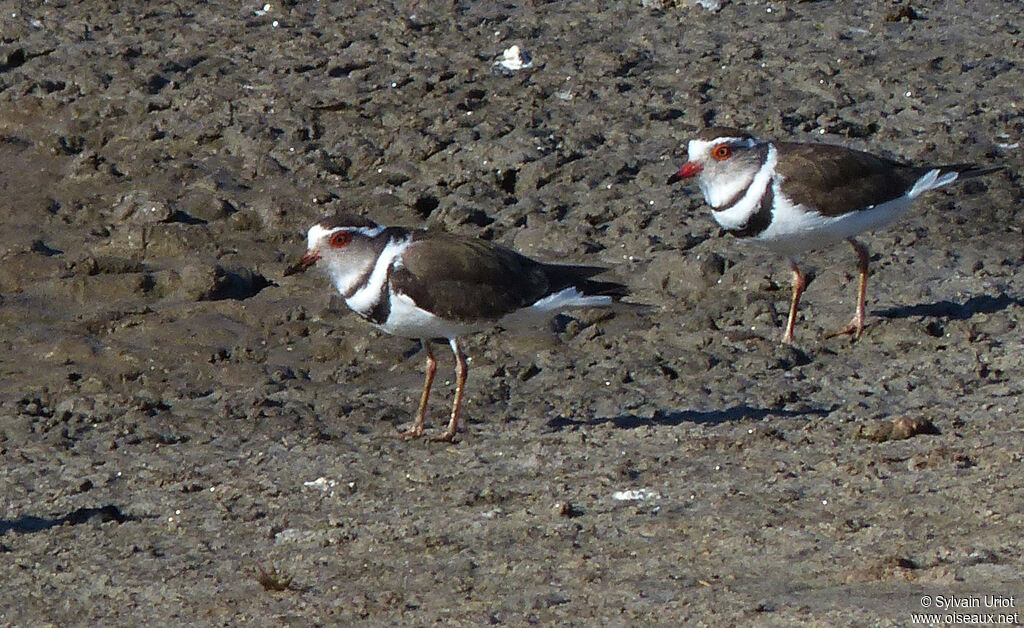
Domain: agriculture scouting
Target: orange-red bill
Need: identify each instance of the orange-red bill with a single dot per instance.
(300, 266)
(689, 169)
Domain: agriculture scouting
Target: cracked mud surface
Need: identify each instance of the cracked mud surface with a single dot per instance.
(177, 418)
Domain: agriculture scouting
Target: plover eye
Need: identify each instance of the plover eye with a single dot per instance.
(721, 152)
(340, 239)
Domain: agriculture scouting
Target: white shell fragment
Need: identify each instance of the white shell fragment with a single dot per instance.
(1003, 141)
(514, 58)
(321, 483)
(636, 494)
(711, 5)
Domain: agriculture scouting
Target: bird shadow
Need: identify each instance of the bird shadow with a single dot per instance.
(28, 524)
(982, 304)
(677, 417)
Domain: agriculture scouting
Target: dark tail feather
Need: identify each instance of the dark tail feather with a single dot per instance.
(562, 276)
(603, 288)
(969, 171)
(570, 273)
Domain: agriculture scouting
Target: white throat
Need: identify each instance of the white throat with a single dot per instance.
(718, 193)
(366, 297)
(346, 278)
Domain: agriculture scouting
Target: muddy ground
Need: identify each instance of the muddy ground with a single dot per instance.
(183, 430)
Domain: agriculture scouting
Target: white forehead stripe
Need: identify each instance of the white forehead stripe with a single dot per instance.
(696, 148)
(318, 233)
(370, 232)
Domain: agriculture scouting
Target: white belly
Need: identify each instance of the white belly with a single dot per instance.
(409, 321)
(795, 229)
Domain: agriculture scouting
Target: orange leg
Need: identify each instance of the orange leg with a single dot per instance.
(421, 416)
(798, 289)
(461, 371)
(856, 325)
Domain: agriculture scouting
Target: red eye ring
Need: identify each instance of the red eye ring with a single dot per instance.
(721, 152)
(340, 239)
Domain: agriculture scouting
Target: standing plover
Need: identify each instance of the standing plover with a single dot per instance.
(794, 197)
(433, 285)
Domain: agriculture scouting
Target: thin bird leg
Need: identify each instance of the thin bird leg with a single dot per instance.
(856, 326)
(461, 370)
(421, 415)
(798, 289)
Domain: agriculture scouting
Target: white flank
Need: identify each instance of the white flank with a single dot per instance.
(411, 321)
(366, 297)
(543, 309)
(569, 297)
(737, 216)
(797, 228)
(930, 181)
(408, 320)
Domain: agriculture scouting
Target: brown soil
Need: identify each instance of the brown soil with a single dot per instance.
(190, 438)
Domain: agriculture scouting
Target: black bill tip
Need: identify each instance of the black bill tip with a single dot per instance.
(302, 265)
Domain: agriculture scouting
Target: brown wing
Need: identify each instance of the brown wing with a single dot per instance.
(837, 180)
(467, 279)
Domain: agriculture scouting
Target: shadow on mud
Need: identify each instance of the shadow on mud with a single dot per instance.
(676, 417)
(983, 304)
(28, 523)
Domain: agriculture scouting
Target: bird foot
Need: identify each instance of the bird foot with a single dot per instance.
(447, 437)
(412, 433)
(855, 328)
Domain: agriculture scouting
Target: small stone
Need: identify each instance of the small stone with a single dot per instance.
(139, 208)
(898, 428)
